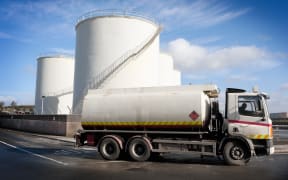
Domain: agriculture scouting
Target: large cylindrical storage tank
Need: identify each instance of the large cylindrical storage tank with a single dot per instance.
(102, 40)
(54, 85)
(168, 76)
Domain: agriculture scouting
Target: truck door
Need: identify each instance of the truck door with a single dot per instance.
(250, 117)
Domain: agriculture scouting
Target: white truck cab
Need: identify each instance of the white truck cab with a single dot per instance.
(247, 115)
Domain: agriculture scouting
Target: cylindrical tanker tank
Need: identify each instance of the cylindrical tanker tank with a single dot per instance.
(102, 40)
(54, 84)
(153, 107)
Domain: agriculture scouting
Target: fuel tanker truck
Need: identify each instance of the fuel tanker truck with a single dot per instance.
(145, 122)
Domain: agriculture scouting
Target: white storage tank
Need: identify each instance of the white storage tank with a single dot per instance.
(153, 107)
(168, 76)
(103, 39)
(54, 84)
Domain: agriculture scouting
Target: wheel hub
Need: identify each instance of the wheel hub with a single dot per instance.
(237, 153)
(109, 149)
(139, 149)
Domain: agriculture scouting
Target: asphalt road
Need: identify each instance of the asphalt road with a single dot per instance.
(25, 156)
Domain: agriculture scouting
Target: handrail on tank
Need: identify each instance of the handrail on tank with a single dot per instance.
(97, 80)
(113, 12)
(61, 92)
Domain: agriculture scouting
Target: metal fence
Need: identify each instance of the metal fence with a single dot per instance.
(280, 133)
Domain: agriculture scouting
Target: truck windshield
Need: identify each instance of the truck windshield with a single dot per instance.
(250, 106)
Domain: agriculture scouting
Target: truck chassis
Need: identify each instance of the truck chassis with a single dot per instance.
(141, 145)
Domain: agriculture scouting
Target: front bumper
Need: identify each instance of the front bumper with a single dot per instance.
(270, 150)
(263, 146)
(270, 147)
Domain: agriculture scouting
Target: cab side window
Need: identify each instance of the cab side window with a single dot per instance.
(250, 106)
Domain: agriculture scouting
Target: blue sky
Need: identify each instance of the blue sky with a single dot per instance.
(231, 43)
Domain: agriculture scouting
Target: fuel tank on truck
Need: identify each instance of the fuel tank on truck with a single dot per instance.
(153, 107)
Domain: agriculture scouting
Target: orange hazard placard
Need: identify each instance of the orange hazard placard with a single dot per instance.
(194, 115)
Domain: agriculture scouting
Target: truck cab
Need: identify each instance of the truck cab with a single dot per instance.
(247, 116)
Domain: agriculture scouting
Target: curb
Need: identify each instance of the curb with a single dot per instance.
(281, 148)
(57, 138)
(52, 137)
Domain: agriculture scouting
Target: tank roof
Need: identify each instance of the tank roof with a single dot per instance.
(114, 13)
(54, 55)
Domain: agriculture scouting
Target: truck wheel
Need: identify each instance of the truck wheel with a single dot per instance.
(139, 149)
(236, 154)
(109, 149)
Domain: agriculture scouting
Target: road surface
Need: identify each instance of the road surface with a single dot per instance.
(26, 156)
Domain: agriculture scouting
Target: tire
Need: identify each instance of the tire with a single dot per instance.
(109, 149)
(235, 153)
(139, 149)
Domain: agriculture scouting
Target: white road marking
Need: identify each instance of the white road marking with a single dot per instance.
(34, 154)
(88, 148)
(66, 152)
(108, 162)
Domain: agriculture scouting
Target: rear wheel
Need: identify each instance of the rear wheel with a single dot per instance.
(109, 149)
(235, 153)
(139, 149)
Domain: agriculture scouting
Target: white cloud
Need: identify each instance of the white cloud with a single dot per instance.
(190, 58)
(21, 98)
(60, 16)
(4, 35)
(284, 87)
(206, 40)
(241, 77)
(43, 17)
(195, 77)
(278, 102)
(279, 99)
(7, 99)
(198, 13)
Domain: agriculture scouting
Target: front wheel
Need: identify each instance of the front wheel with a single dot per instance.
(235, 153)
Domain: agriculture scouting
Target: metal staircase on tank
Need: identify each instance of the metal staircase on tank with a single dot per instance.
(60, 93)
(99, 79)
